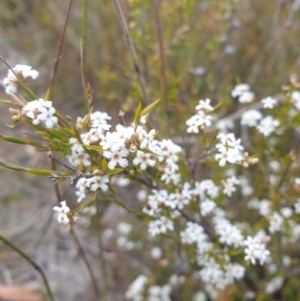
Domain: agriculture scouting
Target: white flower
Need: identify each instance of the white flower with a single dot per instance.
(229, 234)
(251, 118)
(117, 157)
(124, 228)
(229, 155)
(246, 97)
(97, 182)
(276, 222)
(200, 120)
(295, 99)
(268, 125)
(82, 189)
(197, 71)
(204, 105)
(79, 157)
(135, 290)
(264, 207)
(286, 212)
(41, 110)
(161, 225)
(229, 185)
(147, 138)
(274, 285)
(24, 72)
(98, 118)
(256, 249)
(62, 213)
(143, 159)
(156, 253)
(240, 89)
(206, 187)
(199, 296)
(46, 116)
(297, 206)
(225, 124)
(207, 207)
(193, 233)
(269, 102)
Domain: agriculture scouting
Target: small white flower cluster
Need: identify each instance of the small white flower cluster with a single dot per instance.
(159, 293)
(229, 234)
(206, 188)
(219, 277)
(11, 82)
(229, 148)
(229, 185)
(193, 233)
(78, 154)
(254, 118)
(86, 185)
(251, 118)
(243, 92)
(160, 225)
(256, 248)
(136, 288)
(123, 241)
(207, 192)
(41, 111)
(163, 293)
(202, 119)
(169, 152)
(120, 146)
(268, 125)
(274, 285)
(276, 222)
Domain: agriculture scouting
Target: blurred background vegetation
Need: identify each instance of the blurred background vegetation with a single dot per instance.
(208, 47)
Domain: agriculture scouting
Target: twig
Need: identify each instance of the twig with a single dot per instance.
(59, 50)
(82, 254)
(56, 187)
(163, 68)
(83, 43)
(31, 262)
(132, 50)
(102, 255)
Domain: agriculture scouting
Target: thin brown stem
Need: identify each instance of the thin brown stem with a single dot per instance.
(163, 68)
(32, 263)
(59, 49)
(136, 66)
(88, 266)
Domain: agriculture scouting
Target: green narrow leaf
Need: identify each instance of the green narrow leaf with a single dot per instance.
(112, 191)
(188, 3)
(87, 117)
(6, 102)
(149, 108)
(104, 164)
(138, 113)
(85, 205)
(123, 205)
(114, 171)
(217, 106)
(27, 90)
(46, 97)
(20, 140)
(34, 171)
(93, 147)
